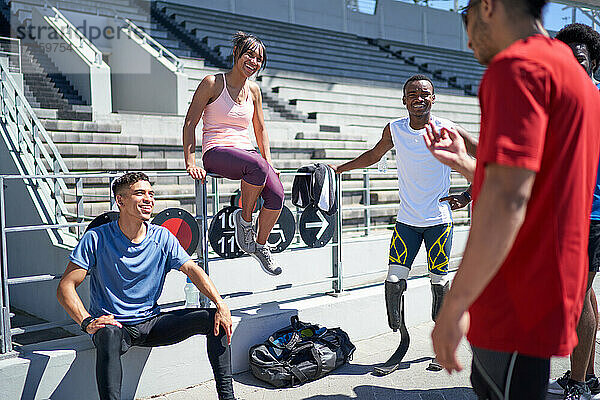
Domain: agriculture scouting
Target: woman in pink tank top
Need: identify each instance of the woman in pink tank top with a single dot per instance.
(227, 104)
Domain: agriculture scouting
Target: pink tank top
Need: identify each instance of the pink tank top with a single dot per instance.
(225, 122)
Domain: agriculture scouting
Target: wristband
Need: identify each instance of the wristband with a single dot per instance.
(86, 322)
(467, 195)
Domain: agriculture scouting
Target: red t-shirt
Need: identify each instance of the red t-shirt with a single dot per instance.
(539, 111)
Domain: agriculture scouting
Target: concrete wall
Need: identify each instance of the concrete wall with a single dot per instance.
(64, 369)
(393, 20)
(142, 82)
(91, 81)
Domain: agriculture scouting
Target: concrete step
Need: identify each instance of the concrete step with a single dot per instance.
(97, 150)
(332, 136)
(305, 98)
(124, 164)
(380, 121)
(451, 112)
(330, 154)
(317, 144)
(81, 126)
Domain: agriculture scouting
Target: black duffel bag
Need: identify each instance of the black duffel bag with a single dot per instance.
(300, 353)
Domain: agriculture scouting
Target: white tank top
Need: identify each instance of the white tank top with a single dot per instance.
(422, 180)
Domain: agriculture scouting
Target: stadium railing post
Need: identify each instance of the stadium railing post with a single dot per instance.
(336, 256)
(6, 346)
(367, 202)
(201, 197)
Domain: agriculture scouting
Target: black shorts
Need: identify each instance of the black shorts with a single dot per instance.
(594, 246)
(497, 375)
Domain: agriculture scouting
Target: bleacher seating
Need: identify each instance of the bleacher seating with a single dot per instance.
(329, 52)
(326, 102)
(460, 68)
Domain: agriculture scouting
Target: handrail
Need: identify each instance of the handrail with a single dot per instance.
(204, 254)
(162, 50)
(31, 138)
(83, 40)
(10, 53)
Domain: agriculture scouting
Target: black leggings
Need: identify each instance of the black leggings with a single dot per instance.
(166, 328)
(509, 376)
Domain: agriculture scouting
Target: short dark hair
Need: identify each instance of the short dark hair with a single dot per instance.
(582, 34)
(126, 180)
(242, 42)
(532, 8)
(417, 77)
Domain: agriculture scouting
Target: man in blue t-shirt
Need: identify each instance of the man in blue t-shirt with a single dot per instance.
(127, 261)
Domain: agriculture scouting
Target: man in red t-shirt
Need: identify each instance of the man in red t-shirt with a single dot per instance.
(523, 273)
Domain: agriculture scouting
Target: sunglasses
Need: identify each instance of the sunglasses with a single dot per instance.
(465, 11)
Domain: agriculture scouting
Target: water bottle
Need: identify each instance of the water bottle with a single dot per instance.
(192, 295)
(382, 165)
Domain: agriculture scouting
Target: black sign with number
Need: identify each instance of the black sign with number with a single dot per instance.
(283, 232)
(103, 219)
(221, 234)
(316, 227)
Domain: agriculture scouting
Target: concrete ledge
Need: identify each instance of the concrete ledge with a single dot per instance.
(64, 369)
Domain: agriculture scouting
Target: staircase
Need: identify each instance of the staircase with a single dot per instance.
(47, 88)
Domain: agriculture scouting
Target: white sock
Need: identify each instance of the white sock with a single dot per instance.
(397, 272)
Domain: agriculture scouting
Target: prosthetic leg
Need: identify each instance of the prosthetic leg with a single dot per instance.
(394, 300)
(438, 292)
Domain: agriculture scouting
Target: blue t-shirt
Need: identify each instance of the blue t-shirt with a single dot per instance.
(596, 203)
(126, 278)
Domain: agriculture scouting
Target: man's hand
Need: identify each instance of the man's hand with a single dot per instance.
(223, 318)
(446, 145)
(101, 322)
(456, 201)
(450, 327)
(334, 168)
(196, 172)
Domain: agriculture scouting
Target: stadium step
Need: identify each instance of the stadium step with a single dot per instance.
(47, 87)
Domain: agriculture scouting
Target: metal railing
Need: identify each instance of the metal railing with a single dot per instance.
(72, 35)
(11, 49)
(32, 149)
(161, 50)
(202, 199)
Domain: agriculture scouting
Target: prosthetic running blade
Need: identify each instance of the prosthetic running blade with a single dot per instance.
(394, 361)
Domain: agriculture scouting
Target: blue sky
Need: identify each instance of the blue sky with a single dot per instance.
(554, 17)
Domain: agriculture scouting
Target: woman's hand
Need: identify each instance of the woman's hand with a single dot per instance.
(196, 172)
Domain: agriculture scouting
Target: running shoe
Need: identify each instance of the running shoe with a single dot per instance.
(577, 391)
(594, 384)
(244, 233)
(557, 386)
(265, 259)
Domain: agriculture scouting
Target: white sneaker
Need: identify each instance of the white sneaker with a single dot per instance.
(244, 233)
(265, 259)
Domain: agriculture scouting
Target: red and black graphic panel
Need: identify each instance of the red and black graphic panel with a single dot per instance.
(181, 224)
(102, 219)
(236, 201)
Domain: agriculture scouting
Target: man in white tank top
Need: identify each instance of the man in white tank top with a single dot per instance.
(424, 212)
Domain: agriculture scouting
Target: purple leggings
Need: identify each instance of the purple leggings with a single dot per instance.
(248, 165)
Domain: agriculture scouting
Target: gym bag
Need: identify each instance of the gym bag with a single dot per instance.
(300, 353)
